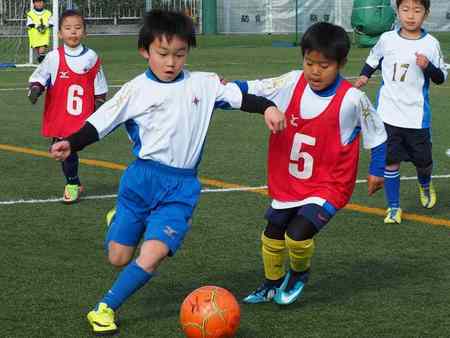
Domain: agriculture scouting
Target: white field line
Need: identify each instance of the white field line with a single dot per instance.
(206, 190)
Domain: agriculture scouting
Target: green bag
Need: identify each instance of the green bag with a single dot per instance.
(371, 18)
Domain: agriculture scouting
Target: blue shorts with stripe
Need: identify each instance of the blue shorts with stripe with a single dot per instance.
(155, 202)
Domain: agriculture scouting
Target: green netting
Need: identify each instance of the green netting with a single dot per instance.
(370, 18)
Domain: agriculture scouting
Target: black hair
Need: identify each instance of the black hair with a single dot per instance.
(68, 13)
(158, 23)
(330, 40)
(424, 3)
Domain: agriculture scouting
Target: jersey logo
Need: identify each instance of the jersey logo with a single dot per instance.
(170, 232)
(322, 217)
(63, 75)
(196, 101)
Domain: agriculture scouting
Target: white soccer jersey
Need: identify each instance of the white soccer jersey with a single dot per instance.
(167, 122)
(357, 113)
(403, 99)
(79, 59)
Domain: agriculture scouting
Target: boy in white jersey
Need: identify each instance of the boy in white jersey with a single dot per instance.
(76, 86)
(39, 23)
(313, 163)
(409, 58)
(167, 111)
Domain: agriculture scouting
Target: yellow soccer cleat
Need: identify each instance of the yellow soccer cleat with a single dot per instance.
(110, 216)
(102, 320)
(427, 196)
(72, 193)
(393, 215)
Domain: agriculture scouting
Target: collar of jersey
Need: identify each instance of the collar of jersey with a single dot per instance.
(38, 10)
(423, 32)
(82, 52)
(153, 77)
(330, 90)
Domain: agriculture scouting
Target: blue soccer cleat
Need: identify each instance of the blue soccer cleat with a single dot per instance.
(263, 294)
(291, 288)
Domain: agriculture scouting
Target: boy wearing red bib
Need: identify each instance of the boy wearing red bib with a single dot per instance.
(75, 85)
(312, 164)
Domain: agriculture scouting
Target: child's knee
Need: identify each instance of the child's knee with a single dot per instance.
(152, 254)
(119, 256)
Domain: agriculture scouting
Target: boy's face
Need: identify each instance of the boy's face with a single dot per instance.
(166, 59)
(39, 4)
(411, 14)
(320, 72)
(72, 31)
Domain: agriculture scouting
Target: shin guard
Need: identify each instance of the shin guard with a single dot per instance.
(273, 254)
(300, 253)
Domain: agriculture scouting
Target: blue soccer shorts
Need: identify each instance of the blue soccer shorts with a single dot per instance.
(155, 202)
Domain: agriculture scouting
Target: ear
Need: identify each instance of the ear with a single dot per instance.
(59, 35)
(145, 54)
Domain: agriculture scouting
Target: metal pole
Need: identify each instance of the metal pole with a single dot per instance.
(55, 14)
(148, 5)
(30, 51)
(296, 23)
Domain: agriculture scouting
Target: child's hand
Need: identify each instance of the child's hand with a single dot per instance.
(41, 28)
(422, 61)
(34, 93)
(275, 120)
(374, 183)
(60, 150)
(361, 81)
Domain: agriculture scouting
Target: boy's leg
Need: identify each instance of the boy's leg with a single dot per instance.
(73, 187)
(392, 193)
(395, 154)
(124, 233)
(273, 252)
(136, 274)
(300, 243)
(421, 154)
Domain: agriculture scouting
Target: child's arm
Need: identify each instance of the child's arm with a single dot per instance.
(110, 115)
(437, 74)
(231, 95)
(75, 142)
(101, 88)
(374, 138)
(38, 80)
(30, 23)
(278, 89)
(274, 119)
(371, 65)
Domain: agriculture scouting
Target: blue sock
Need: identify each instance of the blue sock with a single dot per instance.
(424, 181)
(392, 187)
(131, 279)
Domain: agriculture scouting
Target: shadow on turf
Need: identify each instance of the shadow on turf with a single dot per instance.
(349, 278)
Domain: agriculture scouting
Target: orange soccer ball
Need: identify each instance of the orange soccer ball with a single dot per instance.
(210, 312)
